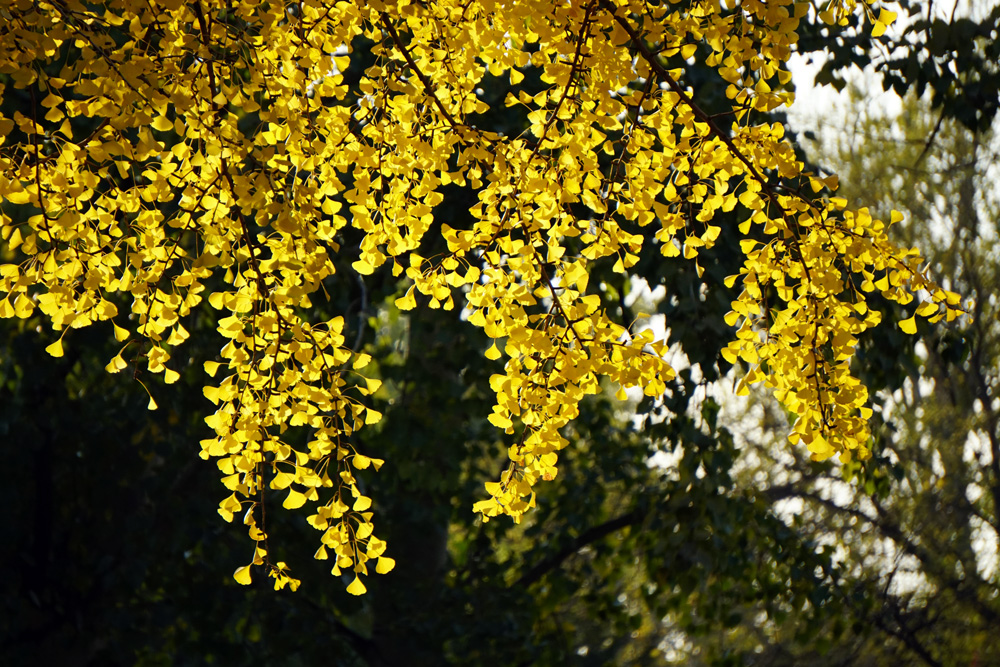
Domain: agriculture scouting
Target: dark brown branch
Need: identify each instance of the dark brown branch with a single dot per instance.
(888, 528)
(587, 537)
(699, 113)
(428, 86)
(907, 636)
(930, 140)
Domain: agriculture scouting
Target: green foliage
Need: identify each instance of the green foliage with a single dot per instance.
(938, 51)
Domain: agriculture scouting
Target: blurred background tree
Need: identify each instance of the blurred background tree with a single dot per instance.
(916, 535)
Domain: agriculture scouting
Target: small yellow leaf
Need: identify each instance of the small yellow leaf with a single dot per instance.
(282, 480)
(729, 355)
(152, 404)
(162, 124)
(294, 500)
(493, 353)
(363, 267)
(356, 587)
(820, 448)
(170, 376)
(887, 17)
(242, 575)
(362, 532)
(116, 364)
(56, 349)
(232, 482)
(908, 325)
(408, 301)
(499, 420)
(384, 564)
(362, 503)
(120, 333)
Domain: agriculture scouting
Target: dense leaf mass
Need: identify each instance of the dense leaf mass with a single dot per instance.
(174, 153)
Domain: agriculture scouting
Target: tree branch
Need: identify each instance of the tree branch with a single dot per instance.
(424, 81)
(587, 537)
(893, 531)
(699, 113)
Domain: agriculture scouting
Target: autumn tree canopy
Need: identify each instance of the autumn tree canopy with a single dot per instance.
(176, 153)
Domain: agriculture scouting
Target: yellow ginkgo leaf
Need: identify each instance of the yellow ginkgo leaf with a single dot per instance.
(162, 124)
(886, 18)
(198, 183)
(55, 349)
(363, 267)
(384, 564)
(821, 448)
(294, 500)
(116, 364)
(242, 575)
(407, 302)
(356, 587)
(23, 307)
(282, 480)
(908, 325)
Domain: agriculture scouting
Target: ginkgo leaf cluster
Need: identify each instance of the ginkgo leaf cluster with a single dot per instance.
(177, 153)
